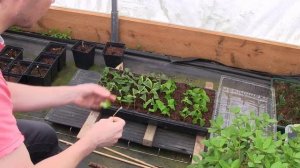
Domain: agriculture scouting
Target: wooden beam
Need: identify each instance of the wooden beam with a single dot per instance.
(92, 118)
(231, 50)
(149, 135)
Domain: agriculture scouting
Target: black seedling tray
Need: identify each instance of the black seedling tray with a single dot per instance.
(61, 55)
(7, 48)
(46, 80)
(162, 122)
(54, 65)
(8, 63)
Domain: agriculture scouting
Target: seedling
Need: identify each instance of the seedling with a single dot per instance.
(155, 95)
(58, 34)
(106, 104)
(196, 101)
(38, 69)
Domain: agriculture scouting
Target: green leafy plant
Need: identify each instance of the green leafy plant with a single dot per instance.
(15, 28)
(245, 143)
(154, 94)
(55, 33)
(196, 101)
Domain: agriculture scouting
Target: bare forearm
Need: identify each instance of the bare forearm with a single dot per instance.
(32, 98)
(69, 158)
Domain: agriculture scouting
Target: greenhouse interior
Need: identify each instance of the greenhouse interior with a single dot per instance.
(150, 84)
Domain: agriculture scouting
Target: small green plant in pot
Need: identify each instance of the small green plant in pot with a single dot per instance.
(245, 143)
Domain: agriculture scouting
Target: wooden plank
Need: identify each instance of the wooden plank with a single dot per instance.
(149, 135)
(231, 50)
(199, 145)
(92, 118)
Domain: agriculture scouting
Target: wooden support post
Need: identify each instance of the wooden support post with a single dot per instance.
(149, 135)
(92, 118)
(199, 145)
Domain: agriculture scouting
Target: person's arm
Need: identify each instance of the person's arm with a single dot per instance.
(33, 98)
(106, 132)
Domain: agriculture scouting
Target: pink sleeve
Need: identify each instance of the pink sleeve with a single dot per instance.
(10, 136)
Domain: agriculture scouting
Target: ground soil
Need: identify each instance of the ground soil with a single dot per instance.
(115, 51)
(289, 113)
(19, 69)
(39, 72)
(85, 48)
(178, 96)
(48, 61)
(3, 64)
(11, 54)
(55, 50)
(11, 78)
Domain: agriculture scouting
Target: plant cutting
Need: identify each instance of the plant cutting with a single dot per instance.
(244, 143)
(287, 94)
(84, 53)
(144, 95)
(106, 104)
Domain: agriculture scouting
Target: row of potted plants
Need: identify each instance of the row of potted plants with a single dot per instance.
(84, 53)
(41, 71)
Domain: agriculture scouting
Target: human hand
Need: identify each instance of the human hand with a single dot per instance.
(105, 132)
(91, 95)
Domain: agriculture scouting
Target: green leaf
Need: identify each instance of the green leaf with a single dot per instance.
(297, 155)
(106, 104)
(145, 105)
(171, 104)
(224, 164)
(148, 83)
(267, 143)
(236, 164)
(144, 97)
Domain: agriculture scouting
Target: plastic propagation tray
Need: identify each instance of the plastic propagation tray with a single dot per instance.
(247, 95)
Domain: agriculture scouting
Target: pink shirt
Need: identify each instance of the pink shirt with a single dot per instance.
(10, 136)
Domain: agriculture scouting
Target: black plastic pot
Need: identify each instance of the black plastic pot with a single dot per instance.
(5, 63)
(52, 61)
(50, 50)
(38, 80)
(7, 49)
(111, 57)
(165, 123)
(84, 59)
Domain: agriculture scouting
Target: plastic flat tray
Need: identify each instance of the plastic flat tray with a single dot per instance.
(247, 95)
